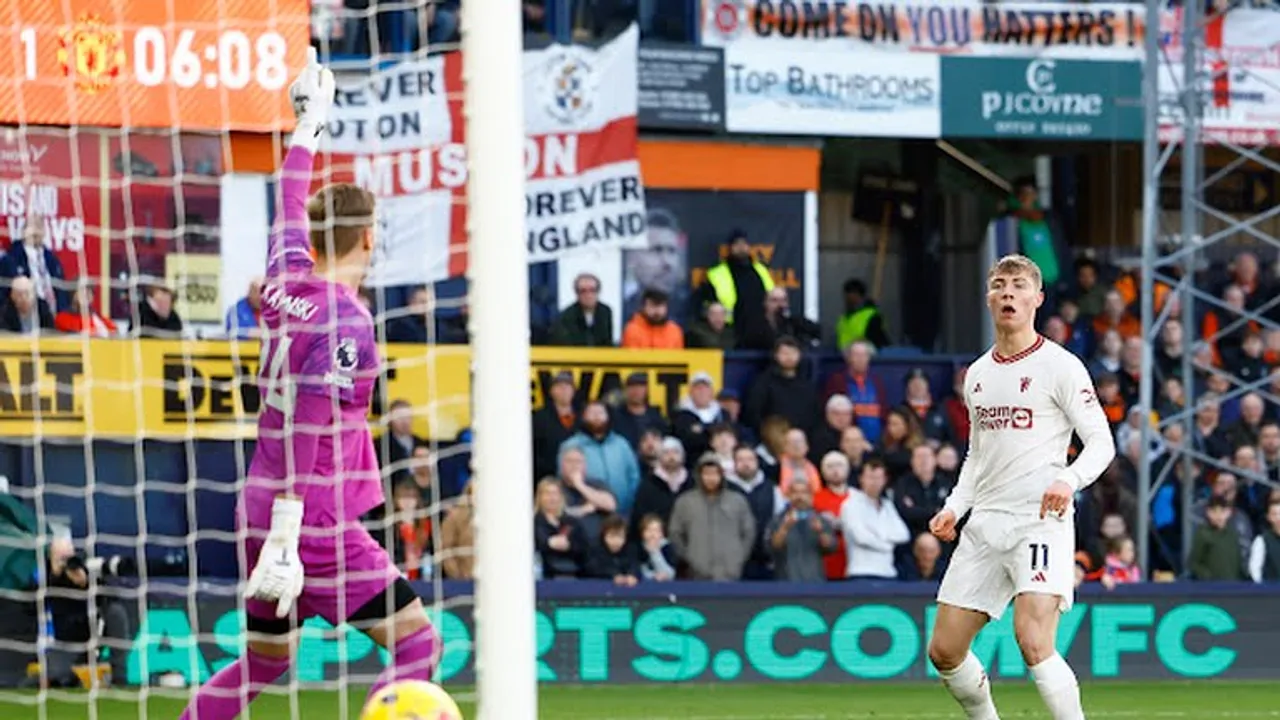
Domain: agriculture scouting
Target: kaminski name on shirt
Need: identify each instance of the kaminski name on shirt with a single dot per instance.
(300, 308)
(1003, 417)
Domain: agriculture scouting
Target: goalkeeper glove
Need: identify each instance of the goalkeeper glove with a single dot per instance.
(312, 96)
(278, 575)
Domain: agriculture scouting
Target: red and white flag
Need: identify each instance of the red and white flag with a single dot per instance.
(400, 132)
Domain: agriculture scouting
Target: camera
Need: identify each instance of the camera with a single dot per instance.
(99, 568)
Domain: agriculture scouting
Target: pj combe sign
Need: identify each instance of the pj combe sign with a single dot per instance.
(821, 637)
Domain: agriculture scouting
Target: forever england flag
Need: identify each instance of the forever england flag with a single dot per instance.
(400, 132)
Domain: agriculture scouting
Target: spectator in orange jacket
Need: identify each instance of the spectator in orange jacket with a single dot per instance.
(652, 326)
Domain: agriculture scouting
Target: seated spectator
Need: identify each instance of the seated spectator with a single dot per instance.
(926, 562)
(535, 16)
(829, 500)
(1215, 548)
(782, 390)
(658, 561)
(452, 329)
(1269, 449)
(24, 313)
(1055, 330)
(1080, 339)
(869, 398)
(661, 485)
(826, 437)
(794, 466)
(1112, 402)
(635, 415)
(422, 473)
(1245, 430)
(244, 319)
(765, 501)
(612, 557)
(1166, 358)
(156, 316)
(1106, 360)
(398, 442)
(1130, 373)
(1210, 438)
(779, 322)
(862, 320)
(1115, 316)
(587, 322)
(457, 538)
(81, 319)
(854, 446)
(1122, 561)
(1248, 366)
(731, 405)
(696, 415)
(1173, 398)
(712, 528)
(1252, 495)
(553, 423)
(955, 408)
(652, 327)
(799, 537)
(648, 449)
(410, 531)
(921, 493)
(712, 330)
(558, 538)
(30, 257)
(872, 527)
(1090, 294)
(949, 462)
(901, 436)
(587, 500)
(931, 417)
(413, 325)
(1264, 553)
(1221, 327)
(610, 458)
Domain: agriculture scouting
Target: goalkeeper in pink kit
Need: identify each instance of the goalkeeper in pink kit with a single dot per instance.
(315, 472)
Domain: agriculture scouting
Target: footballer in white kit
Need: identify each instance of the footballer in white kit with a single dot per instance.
(1023, 410)
(1026, 396)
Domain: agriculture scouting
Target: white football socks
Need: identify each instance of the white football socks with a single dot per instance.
(969, 685)
(1058, 688)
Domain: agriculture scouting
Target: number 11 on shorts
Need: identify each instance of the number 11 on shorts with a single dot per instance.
(1039, 556)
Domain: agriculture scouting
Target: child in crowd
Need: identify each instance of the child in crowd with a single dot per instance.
(658, 560)
(614, 558)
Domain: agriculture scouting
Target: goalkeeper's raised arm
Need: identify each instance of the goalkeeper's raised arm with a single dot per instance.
(289, 247)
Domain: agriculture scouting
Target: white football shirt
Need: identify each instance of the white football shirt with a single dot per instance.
(1022, 411)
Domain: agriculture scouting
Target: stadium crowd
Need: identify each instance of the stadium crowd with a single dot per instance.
(808, 478)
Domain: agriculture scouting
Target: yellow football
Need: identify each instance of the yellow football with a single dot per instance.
(411, 700)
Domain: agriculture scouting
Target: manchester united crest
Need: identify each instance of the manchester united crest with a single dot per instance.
(92, 53)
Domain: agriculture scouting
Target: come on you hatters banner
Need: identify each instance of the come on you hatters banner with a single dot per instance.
(400, 132)
(1091, 31)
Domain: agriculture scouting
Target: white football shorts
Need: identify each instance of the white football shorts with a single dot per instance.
(1001, 556)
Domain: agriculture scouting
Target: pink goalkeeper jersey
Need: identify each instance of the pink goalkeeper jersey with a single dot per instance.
(319, 354)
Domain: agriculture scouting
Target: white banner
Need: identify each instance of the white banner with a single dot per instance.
(1018, 28)
(400, 132)
(812, 91)
(1239, 81)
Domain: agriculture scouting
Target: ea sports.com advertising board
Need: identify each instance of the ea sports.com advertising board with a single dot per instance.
(590, 632)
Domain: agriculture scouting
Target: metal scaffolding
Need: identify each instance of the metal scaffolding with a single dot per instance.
(1175, 254)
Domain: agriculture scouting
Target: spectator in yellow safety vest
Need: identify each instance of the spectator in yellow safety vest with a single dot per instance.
(862, 320)
(740, 284)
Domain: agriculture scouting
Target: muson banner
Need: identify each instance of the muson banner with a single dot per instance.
(401, 133)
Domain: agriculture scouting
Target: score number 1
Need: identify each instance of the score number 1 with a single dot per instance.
(234, 60)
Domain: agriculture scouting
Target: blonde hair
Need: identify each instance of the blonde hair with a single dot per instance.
(1017, 265)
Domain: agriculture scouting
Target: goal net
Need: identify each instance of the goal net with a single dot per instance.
(139, 155)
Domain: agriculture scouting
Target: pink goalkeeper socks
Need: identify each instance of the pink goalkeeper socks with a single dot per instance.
(232, 688)
(414, 659)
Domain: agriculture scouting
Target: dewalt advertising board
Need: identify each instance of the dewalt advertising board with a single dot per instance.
(164, 389)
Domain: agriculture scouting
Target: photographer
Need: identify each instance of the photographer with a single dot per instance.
(27, 566)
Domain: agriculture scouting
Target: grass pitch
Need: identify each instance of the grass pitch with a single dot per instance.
(1131, 701)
